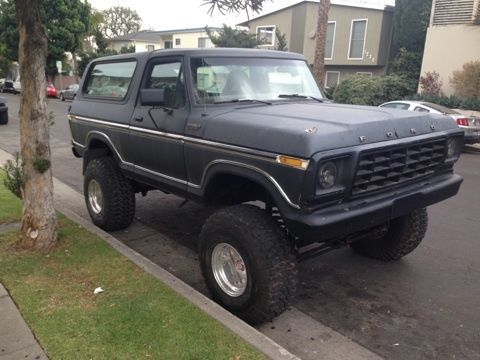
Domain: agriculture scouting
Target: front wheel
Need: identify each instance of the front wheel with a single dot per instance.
(247, 263)
(404, 234)
(108, 194)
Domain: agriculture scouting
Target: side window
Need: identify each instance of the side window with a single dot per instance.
(169, 77)
(421, 109)
(397, 106)
(110, 79)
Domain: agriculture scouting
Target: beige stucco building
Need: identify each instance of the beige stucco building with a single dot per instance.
(452, 39)
(149, 40)
(358, 38)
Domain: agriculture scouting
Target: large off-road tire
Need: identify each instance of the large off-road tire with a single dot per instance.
(4, 118)
(404, 234)
(243, 240)
(109, 196)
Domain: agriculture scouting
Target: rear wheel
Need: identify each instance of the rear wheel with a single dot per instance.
(109, 195)
(62, 97)
(403, 236)
(248, 263)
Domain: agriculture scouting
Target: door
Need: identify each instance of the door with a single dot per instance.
(156, 131)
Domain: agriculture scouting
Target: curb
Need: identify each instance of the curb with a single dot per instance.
(252, 336)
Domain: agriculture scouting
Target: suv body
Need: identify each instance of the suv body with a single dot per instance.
(192, 123)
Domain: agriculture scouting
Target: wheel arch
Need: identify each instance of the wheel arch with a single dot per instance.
(98, 145)
(221, 174)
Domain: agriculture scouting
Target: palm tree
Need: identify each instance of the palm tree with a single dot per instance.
(320, 39)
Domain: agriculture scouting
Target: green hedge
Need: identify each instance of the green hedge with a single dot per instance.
(373, 90)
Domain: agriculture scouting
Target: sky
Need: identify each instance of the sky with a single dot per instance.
(178, 14)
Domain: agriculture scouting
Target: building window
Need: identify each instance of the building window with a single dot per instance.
(266, 35)
(358, 34)
(204, 42)
(150, 47)
(168, 44)
(178, 42)
(366, 73)
(330, 40)
(332, 78)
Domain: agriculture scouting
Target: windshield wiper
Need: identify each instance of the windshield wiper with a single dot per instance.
(243, 101)
(298, 96)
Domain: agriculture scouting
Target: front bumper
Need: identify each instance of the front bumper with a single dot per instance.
(338, 221)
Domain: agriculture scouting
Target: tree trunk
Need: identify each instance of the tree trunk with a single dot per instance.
(320, 39)
(39, 221)
(75, 72)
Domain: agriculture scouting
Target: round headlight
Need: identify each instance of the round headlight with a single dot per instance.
(327, 175)
(451, 147)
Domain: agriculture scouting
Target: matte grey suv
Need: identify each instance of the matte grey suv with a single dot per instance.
(249, 132)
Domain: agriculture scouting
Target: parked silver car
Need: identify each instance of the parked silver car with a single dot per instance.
(69, 92)
(469, 124)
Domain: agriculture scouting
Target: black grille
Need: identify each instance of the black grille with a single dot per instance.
(386, 168)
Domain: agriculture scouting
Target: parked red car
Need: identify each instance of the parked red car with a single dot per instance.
(51, 91)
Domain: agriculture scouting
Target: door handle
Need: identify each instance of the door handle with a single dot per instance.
(138, 118)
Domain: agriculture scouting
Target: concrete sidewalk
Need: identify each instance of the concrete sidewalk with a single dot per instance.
(16, 339)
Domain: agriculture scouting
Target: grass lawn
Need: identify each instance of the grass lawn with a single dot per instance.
(10, 206)
(136, 317)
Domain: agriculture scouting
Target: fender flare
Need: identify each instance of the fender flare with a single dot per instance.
(250, 172)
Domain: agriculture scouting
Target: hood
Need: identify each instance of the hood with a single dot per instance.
(302, 129)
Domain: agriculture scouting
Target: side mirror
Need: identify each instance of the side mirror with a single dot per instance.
(152, 97)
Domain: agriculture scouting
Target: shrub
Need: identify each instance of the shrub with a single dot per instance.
(14, 175)
(375, 90)
(360, 90)
(397, 87)
(466, 82)
(407, 64)
(329, 92)
(430, 84)
(471, 104)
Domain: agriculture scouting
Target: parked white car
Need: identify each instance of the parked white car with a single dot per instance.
(469, 124)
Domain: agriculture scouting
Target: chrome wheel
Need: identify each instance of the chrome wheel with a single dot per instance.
(229, 270)
(95, 196)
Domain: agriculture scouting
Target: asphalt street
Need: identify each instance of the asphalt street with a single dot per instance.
(426, 306)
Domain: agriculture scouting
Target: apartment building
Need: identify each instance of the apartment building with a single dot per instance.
(358, 38)
(453, 38)
(149, 40)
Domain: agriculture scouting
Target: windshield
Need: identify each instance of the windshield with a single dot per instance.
(218, 79)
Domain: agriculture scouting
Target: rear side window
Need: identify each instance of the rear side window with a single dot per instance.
(421, 109)
(110, 79)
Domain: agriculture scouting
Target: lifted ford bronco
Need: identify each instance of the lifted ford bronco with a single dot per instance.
(229, 127)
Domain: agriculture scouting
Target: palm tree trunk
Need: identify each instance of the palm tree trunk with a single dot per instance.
(320, 39)
(39, 221)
